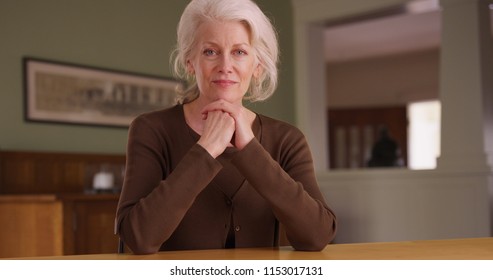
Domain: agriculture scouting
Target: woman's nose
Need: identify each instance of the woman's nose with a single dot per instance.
(225, 64)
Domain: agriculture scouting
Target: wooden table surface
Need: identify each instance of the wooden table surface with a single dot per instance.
(453, 249)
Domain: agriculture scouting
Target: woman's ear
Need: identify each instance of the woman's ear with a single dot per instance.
(190, 68)
(258, 71)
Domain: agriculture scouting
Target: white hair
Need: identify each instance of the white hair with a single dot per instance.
(263, 40)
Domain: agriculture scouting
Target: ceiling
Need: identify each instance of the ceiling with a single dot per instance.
(397, 33)
(412, 27)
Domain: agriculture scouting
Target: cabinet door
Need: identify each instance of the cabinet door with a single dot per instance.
(93, 225)
(30, 227)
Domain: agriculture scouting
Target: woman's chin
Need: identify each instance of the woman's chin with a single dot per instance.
(234, 99)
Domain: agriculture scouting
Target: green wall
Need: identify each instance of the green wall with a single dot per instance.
(128, 35)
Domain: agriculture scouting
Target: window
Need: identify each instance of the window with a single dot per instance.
(424, 134)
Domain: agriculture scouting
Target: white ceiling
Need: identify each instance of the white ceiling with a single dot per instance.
(414, 26)
(383, 36)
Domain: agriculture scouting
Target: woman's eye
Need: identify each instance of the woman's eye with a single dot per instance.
(209, 52)
(240, 52)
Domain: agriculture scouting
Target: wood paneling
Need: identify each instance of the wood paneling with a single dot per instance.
(47, 172)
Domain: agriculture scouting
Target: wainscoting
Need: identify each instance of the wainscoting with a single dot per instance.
(400, 204)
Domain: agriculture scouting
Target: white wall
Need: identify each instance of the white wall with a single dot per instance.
(397, 79)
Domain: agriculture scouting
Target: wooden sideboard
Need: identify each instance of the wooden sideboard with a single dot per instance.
(55, 225)
(47, 204)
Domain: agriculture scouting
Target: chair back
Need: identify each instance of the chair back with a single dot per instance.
(121, 246)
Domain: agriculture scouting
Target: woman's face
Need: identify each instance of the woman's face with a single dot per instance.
(223, 61)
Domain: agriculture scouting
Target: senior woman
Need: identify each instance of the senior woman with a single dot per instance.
(208, 172)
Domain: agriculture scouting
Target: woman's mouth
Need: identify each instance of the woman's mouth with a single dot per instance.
(224, 83)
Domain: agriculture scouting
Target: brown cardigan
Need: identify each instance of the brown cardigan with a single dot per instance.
(176, 196)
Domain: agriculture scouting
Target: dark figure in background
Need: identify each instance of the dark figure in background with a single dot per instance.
(385, 152)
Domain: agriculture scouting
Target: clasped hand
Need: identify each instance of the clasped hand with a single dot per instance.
(225, 124)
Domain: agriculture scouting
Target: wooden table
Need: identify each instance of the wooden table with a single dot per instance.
(453, 249)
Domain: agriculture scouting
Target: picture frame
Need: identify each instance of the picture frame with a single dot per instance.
(68, 93)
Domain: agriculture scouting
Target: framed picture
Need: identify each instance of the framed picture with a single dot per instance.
(69, 93)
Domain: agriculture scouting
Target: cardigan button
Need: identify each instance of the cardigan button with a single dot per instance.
(228, 202)
(237, 228)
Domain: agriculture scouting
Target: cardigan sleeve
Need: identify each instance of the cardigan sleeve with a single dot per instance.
(150, 208)
(291, 190)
